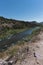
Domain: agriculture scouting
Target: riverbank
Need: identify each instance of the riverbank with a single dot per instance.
(7, 33)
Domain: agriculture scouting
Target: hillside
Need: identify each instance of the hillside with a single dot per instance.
(16, 24)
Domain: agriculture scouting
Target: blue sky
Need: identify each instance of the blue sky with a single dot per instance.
(28, 10)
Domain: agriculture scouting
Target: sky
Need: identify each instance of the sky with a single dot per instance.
(28, 10)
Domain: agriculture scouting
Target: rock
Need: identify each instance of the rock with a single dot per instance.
(34, 54)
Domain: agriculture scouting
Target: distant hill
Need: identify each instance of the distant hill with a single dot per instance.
(16, 24)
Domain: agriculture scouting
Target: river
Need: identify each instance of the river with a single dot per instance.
(4, 44)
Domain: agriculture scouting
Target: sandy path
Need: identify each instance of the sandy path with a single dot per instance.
(36, 53)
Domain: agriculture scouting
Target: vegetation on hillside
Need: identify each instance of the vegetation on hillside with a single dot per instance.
(16, 24)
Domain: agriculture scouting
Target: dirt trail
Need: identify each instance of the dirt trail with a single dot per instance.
(35, 54)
